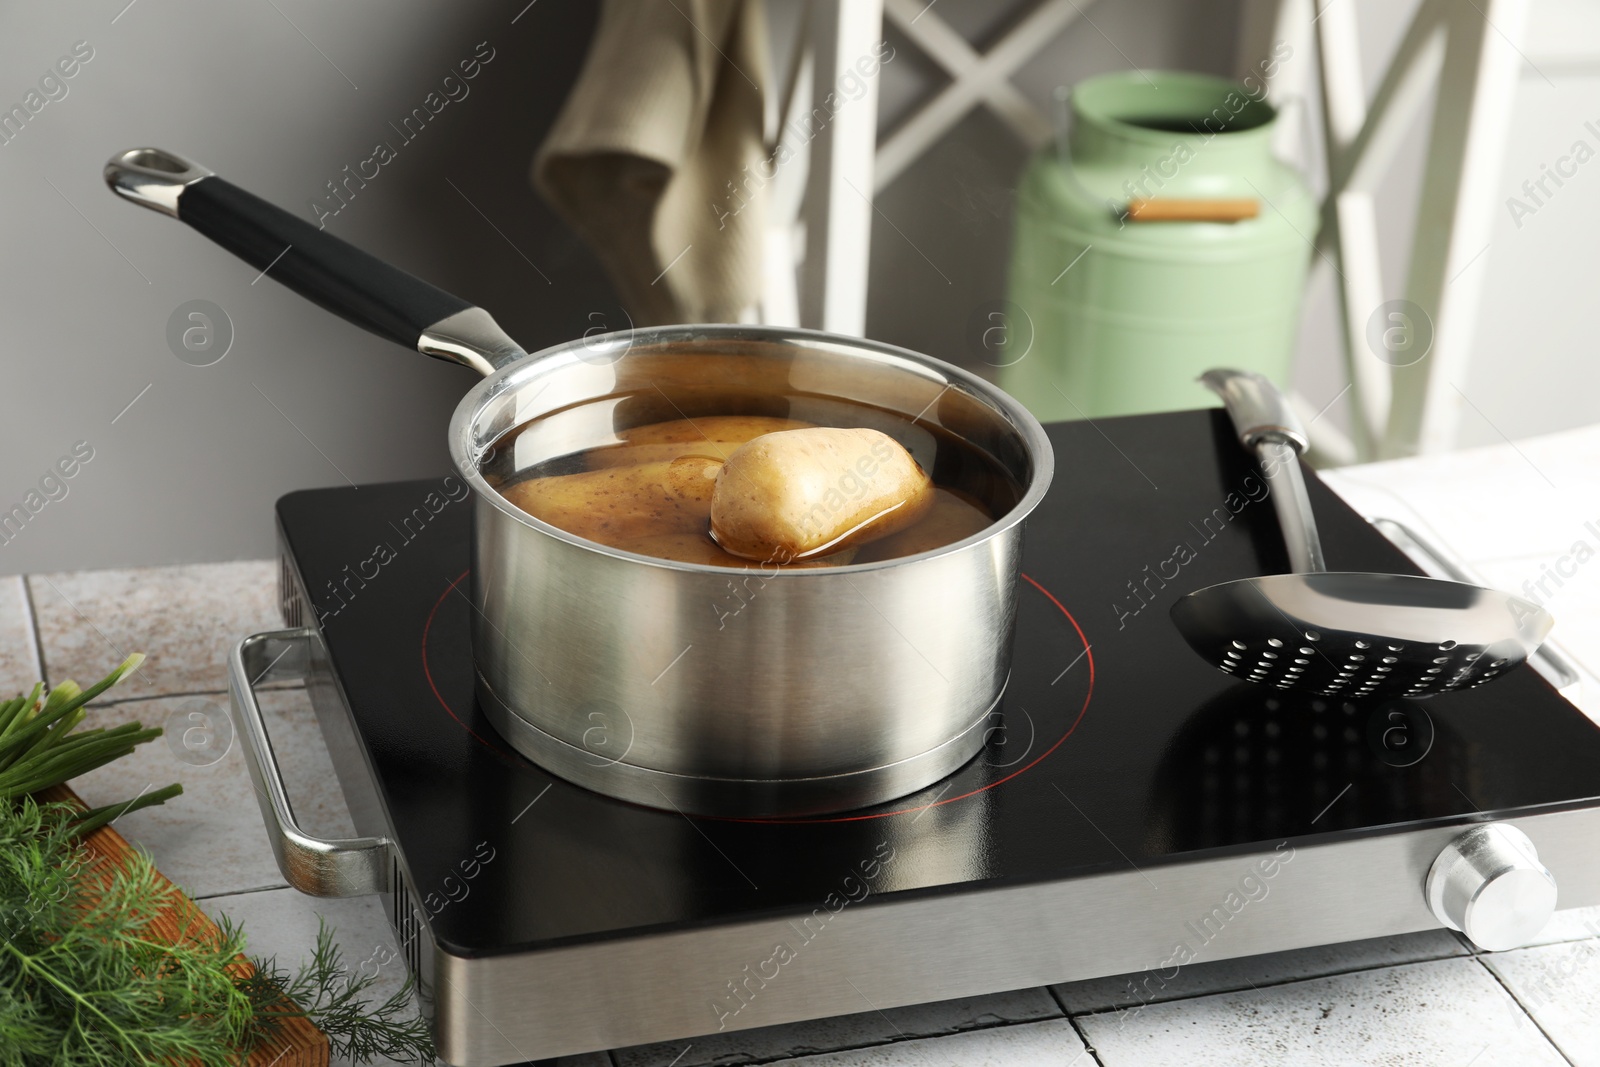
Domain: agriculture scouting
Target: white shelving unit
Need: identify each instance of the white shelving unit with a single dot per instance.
(1463, 54)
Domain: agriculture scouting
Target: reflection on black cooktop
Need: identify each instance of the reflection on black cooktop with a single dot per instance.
(1116, 745)
(1250, 763)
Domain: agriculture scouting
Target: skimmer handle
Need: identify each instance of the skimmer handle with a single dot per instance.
(1268, 427)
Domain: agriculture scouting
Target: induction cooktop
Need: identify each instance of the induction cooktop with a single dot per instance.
(1133, 808)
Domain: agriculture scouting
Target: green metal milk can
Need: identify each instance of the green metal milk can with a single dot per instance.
(1120, 296)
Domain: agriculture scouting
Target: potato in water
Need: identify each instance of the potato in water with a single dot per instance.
(739, 428)
(798, 494)
(618, 504)
(708, 435)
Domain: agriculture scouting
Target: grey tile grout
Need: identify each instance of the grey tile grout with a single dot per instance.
(35, 640)
(273, 687)
(158, 696)
(1074, 1017)
(1476, 957)
(242, 892)
(1088, 1046)
(1269, 985)
(897, 1040)
(1472, 954)
(36, 635)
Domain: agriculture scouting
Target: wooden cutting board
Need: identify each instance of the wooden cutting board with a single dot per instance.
(298, 1042)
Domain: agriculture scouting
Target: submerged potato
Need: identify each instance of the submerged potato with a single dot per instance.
(622, 503)
(710, 435)
(798, 493)
(657, 452)
(709, 427)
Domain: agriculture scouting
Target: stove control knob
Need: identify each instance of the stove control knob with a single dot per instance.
(1489, 884)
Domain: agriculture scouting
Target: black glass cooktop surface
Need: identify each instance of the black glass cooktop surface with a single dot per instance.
(1116, 746)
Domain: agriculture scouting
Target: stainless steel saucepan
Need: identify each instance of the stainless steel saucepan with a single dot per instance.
(826, 689)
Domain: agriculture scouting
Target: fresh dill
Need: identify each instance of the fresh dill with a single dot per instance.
(86, 977)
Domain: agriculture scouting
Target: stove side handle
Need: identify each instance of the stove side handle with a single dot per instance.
(321, 868)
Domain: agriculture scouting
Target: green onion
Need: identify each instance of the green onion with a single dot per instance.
(41, 746)
(95, 818)
(16, 711)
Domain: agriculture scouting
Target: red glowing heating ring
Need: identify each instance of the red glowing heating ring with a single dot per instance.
(1088, 654)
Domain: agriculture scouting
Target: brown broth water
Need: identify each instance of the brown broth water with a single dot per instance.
(653, 496)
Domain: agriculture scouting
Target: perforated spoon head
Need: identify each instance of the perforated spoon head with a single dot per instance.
(1359, 635)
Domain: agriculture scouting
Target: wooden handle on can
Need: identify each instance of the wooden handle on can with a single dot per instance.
(1173, 209)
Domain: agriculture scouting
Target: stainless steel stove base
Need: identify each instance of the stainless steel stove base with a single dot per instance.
(741, 797)
(492, 1011)
(841, 957)
(639, 984)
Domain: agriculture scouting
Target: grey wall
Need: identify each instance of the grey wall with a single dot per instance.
(87, 282)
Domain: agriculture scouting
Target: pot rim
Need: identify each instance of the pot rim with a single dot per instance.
(465, 455)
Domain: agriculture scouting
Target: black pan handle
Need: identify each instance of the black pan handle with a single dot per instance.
(352, 284)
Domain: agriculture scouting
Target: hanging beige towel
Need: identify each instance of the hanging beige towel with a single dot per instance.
(666, 113)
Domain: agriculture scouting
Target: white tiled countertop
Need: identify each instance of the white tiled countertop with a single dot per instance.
(1514, 514)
